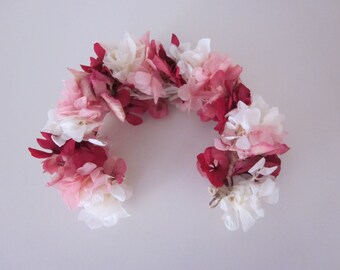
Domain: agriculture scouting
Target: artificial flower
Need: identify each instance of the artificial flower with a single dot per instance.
(187, 58)
(104, 207)
(253, 130)
(214, 164)
(126, 56)
(243, 203)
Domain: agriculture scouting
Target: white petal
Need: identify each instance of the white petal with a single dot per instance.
(247, 220)
(231, 221)
(118, 192)
(243, 143)
(73, 129)
(258, 165)
(59, 140)
(267, 171)
(269, 192)
(97, 142)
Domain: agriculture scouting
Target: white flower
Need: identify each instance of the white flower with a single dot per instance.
(257, 114)
(243, 203)
(69, 127)
(102, 208)
(188, 59)
(122, 58)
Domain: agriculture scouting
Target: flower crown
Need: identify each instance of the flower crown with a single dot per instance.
(141, 76)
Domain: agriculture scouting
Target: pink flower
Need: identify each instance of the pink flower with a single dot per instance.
(214, 164)
(218, 64)
(165, 65)
(88, 179)
(147, 80)
(253, 130)
(116, 168)
(75, 103)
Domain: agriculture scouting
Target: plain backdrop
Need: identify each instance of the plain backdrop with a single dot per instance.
(290, 51)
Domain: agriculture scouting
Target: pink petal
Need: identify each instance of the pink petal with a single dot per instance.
(143, 78)
(87, 168)
(114, 105)
(134, 120)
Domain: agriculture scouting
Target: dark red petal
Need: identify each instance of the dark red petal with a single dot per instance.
(124, 97)
(202, 165)
(68, 147)
(159, 110)
(243, 166)
(134, 119)
(94, 154)
(39, 154)
(216, 177)
(46, 144)
(46, 135)
(87, 69)
(174, 40)
(99, 50)
(242, 93)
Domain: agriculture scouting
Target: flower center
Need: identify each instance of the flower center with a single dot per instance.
(213, 165)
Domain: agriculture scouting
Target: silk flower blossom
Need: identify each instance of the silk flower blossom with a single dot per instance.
(69, 127)
(123, 58)
(140, 76)
(189, 59)
(100, 194)
(103, 207)
(243, 204)
(253, 130)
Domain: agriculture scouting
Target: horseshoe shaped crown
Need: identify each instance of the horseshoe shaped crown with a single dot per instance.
(140, 76)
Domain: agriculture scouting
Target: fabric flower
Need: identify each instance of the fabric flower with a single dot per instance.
(247, 165)
(253, 130)
(126, 56)
(187, 58)
(66, 159)
(243, 204)
(147, 80)
(214, 164)
(165, 65)
(69, 127)
(104, 207)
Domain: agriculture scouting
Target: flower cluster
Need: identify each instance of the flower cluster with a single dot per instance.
(140, 76)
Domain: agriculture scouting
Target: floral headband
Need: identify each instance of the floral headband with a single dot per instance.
(141, 76)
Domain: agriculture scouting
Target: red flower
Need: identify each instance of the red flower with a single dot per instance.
(214, 164)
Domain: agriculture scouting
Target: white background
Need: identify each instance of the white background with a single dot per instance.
(290, 51)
